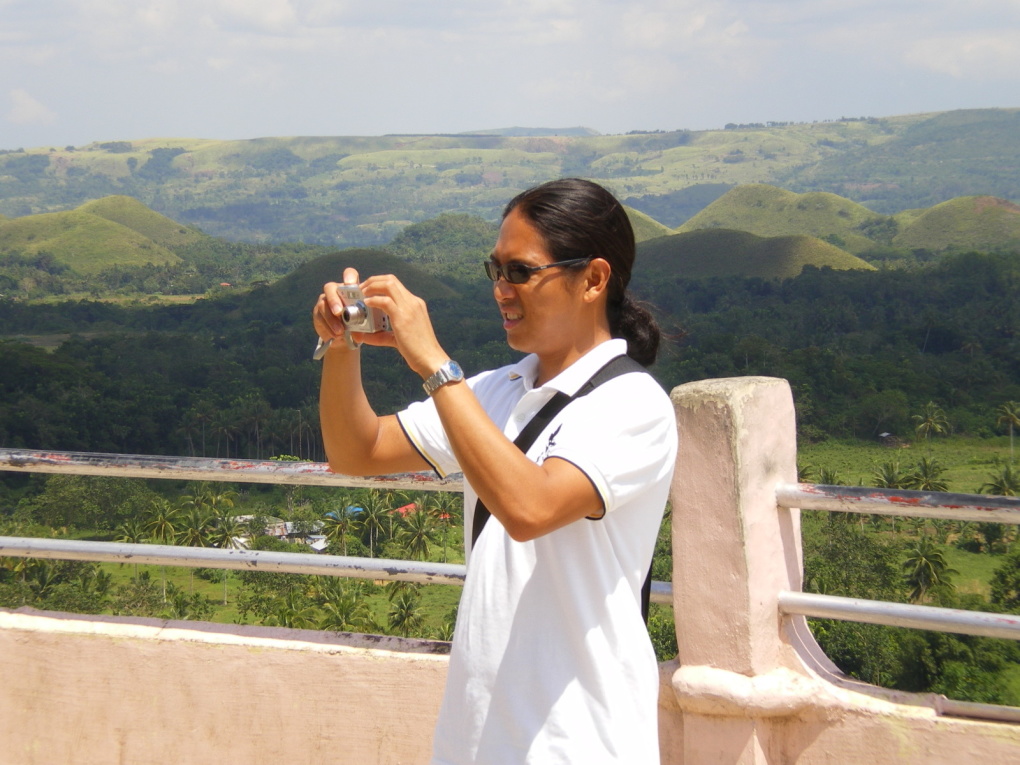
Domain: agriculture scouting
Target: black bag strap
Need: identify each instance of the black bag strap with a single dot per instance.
(619, 365)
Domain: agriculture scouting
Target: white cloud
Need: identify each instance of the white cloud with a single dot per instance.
(232, 68)
(25, 110)
(988, 56)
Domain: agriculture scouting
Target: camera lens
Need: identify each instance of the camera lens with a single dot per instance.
(355, 313)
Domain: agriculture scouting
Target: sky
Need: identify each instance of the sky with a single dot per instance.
(77, 71)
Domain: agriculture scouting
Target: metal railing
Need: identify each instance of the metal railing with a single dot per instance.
(234, 471)
(853, 499)
(870, 501)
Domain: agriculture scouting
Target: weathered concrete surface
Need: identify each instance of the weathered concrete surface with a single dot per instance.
(753, 688)
(94, 690)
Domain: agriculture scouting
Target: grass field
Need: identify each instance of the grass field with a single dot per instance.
(968, 461)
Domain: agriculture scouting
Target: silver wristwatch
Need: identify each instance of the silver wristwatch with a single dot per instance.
(448, 373)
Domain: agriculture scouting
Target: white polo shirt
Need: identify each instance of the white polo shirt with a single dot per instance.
(551, 661)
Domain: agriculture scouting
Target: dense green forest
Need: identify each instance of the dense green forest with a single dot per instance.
(232, 375)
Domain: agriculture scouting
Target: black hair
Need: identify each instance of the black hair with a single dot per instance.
(580, 219)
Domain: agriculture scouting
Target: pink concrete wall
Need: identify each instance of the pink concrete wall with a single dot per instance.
(77, 690)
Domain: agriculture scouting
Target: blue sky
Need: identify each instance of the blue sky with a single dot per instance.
(77, 71)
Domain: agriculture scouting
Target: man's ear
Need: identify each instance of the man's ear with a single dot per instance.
(597, 278)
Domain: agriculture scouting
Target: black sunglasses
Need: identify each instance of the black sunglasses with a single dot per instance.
(518, 273)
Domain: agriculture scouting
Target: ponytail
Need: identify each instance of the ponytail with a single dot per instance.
(635, 324)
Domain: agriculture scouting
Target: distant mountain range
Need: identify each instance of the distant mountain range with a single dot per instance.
(357, 191)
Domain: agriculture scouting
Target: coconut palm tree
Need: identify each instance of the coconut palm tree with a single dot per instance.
(1008, 414)
(443, 507)
(344, 606)
(828, 477)
(132, 532)
(161, 523)
(338, 523)
(927, 476)
(931, 420)
(195, 525)
(372, 518)
(405, 614)
(1005, 483)
(416, 533)
(292, 610)
(889, 476)
(224, 427)
(925, 570)
(225, 533)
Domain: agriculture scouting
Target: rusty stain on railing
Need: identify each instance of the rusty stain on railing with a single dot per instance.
(214, 469)
(919, 504)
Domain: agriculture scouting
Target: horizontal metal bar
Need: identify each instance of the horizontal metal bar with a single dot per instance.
(919, 504)
(210, 469)
(253, 560)
(901, 615)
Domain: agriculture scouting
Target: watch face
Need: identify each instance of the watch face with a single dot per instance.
(455, 371)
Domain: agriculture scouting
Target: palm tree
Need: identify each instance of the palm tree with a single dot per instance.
(925, 569)
(194, 532)
(395, 499)
(224, 427)
(1005, 483)
(338, 523)
(828, 477)
(372, 518)
(293, 611)
(131, 532)
(927, 476)
(254, 412)
(160, 524)
(194, 527)
(344, 607)
(225, 533)
(443, 508)
(1008, 414)
(202, 415)
(889, 476)
(931, 420)
(416, 533)
(405, 613)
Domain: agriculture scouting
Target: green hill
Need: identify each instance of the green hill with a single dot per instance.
(769, 211)
(973, 223)
(645, 227)
(84, 242)
(131, 213)
(725, 252)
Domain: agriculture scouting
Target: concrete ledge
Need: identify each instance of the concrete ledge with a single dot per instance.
(101, 689)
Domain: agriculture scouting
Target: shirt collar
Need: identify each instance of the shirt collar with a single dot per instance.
(577, 374)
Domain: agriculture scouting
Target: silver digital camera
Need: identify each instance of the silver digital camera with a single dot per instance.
(358, 317)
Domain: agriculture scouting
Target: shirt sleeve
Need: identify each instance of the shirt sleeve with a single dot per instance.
(423, 428)
(622, 436)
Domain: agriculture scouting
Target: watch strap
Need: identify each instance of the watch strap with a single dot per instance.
(447, 373)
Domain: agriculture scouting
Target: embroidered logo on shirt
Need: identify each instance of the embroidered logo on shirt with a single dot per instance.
(551, 444)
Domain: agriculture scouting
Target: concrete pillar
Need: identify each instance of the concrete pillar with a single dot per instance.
(733, 552)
